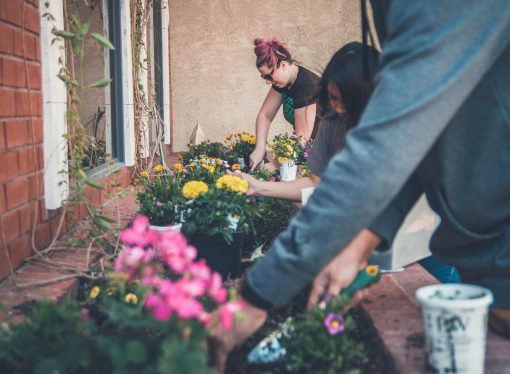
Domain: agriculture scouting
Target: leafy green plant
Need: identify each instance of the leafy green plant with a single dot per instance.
(204, 149)
(161, 197)
(220, 209)
(322, 340)
(241, 144)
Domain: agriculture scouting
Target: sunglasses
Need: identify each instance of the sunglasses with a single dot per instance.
(267, 77)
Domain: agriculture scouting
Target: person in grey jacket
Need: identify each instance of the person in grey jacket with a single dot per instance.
(438, 122)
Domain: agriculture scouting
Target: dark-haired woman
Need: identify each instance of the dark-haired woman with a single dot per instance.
(292, 86)
(343, 93)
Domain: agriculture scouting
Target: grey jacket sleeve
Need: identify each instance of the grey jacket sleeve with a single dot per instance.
(389, 221)
(434, 55)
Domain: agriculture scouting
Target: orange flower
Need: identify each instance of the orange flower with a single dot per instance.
(236, 167)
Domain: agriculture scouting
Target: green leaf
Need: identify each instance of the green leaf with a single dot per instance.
(95, 183)
(102, 40)
(84, 29)
(136, 352)
(64, 34)
(107, 219)
(101, 223)
(67, 79)
(101, 83)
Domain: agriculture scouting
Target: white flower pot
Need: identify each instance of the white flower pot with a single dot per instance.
(455, 318)
(177, 227)
(288, 171)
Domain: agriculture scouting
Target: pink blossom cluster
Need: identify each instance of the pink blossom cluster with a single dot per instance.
(145, 256)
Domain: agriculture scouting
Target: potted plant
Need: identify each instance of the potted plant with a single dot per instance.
(241, 145)
(285, 150)
(204, 149)
(161, 198)
(204, 168)
(216, 221)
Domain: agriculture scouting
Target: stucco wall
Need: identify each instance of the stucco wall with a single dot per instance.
(214, 81)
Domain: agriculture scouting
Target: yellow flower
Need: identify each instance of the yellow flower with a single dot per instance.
(144, 174)
(229, 136)
(94, 292)
(158, 169)
(178, 167)
(232, 183)
(131, 298)
(289, 148)
(193, 189)
(283, 159)
(372, 270)
(192, 165)
(211, 169)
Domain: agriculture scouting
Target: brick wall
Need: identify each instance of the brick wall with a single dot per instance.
(21, 139)
(21, 133)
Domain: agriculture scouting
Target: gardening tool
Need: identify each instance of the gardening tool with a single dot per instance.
(269, 350)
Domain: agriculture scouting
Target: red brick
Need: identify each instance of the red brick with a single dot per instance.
(6, 41)
(8, 107)
(37, 105)
(34, 75)
(20, 250)
(27, 159)
(12, 11)
(16, 133)
(38, 130)
(2, 136)
(42, 212)
(36, 186)
(26, 217)
(9, 163)
(2, 202)
(43, 235)
(32, 19)
(13, 72)
(17, 193)
(11, 226)
(23, 104)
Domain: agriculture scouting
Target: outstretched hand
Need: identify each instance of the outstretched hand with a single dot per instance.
(221, 342)
(256, 157)
(343, 269)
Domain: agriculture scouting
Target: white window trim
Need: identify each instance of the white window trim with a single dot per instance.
(165, 24)
(54, 94)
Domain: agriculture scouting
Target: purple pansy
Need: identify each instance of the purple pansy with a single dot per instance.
(334, 323)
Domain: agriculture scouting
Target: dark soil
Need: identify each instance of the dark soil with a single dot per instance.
(377, 363)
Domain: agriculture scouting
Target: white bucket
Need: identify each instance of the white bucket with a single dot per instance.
(455, 318)
(305, 194)
(288, 171)
(177, 227)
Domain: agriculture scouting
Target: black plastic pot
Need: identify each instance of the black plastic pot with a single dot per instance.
(221, 257)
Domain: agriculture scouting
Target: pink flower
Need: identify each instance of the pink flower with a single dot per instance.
(226, 318)
(189, 308)
(216, 290)
(138, 234)
(334, 323)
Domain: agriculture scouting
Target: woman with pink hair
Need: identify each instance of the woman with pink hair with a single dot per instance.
(292, 86)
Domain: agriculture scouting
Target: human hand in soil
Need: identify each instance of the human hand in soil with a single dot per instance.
(256, 157)
(221, 342)
(343, 269)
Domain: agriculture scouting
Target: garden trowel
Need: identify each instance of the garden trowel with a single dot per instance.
(269, 350)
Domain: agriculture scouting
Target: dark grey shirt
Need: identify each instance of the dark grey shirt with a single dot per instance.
(439, 122)
(329, 140)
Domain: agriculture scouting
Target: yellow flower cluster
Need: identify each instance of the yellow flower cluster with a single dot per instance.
(131, 298)
(232, 183)
(209, 168)
(144, 174)
(178, 168)
(158, 169)
(283, 159)
(242, 136)
(193, 189)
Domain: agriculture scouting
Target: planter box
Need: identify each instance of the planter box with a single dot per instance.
(222, 257)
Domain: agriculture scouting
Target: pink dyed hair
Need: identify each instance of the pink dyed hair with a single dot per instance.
(270, 52)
